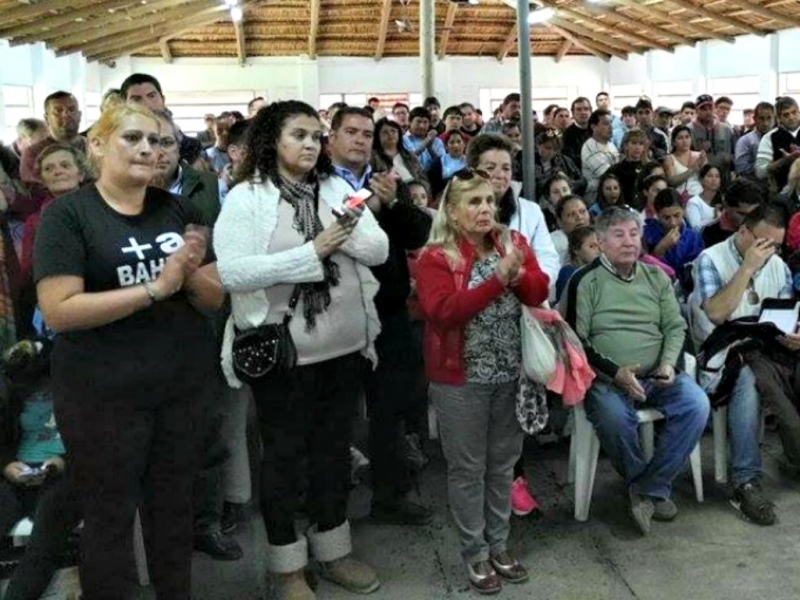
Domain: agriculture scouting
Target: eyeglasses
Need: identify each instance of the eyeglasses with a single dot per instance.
(468, 173)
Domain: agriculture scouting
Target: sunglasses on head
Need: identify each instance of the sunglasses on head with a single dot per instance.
(469, 173)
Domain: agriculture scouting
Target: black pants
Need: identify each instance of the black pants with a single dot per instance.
(307, 413)
(131, 450)
(208, 492)
(56, 512)
(392, 400)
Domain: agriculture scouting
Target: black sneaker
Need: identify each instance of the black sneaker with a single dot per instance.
(749, 499)
(401, 512)
(233, 513)
(218, 546)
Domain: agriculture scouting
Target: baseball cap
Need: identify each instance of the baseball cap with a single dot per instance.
(663, 110)
(704, 99)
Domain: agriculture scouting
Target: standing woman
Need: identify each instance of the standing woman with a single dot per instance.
(119, 278)
(449, 163)
(704, 207)
(277, 241)
(388, 152)
(472, 280)
(683, 164)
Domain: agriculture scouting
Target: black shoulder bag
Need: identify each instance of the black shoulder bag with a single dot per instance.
(266, 350)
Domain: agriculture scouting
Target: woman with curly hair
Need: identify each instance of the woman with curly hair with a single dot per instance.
(285, 257)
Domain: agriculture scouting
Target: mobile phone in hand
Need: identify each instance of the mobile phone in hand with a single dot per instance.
(354, 204)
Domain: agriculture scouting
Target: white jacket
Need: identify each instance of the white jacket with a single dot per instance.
(242, 236)
(529, 221)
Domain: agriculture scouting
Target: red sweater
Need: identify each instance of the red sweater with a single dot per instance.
(448, 305)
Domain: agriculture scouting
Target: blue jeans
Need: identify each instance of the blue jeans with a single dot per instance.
(685, 407)
(744, 427)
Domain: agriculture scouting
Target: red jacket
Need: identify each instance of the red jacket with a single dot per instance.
(448, 305)
(793, 232)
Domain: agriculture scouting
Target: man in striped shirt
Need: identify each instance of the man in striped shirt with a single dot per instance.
(598, 152)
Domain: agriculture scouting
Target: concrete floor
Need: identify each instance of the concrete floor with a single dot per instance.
(708, 553)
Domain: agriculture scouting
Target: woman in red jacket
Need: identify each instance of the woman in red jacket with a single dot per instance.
(472, 280)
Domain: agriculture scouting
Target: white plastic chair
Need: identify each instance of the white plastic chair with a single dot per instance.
(23, 529)
(584, 450)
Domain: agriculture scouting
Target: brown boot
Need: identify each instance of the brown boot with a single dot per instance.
(293, 586)
(353, 575)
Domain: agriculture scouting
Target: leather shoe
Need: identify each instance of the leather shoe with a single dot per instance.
(233, 513)
(483, 578)
(509, 568)
(401, 512)
(218, 546)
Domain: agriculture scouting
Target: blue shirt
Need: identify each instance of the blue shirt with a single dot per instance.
(689, 246)
(40, 438)
(451, 166)
(746, 152)
(413, 144)
(355, 182)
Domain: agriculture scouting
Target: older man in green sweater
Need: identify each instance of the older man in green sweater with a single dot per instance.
(629, 321)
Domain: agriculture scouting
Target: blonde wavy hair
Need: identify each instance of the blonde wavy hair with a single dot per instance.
(444, 233)
(108, 123)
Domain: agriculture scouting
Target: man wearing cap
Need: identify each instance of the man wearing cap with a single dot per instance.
(663, 121)
(711, 135)
(780, 147)
(659, 144)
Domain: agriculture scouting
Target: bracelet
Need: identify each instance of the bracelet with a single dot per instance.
(151, 292)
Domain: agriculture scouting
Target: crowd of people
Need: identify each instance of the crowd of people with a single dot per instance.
(154, 284)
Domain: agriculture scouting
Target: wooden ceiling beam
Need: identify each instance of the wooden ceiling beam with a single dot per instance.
(155, 35)
(767, 13)
(585, 45)
(142, 34)
(45, 25)
(165, 51)
(677, 39)
(606, 40)
(386, 11)
(576, 16)
(693, 28)
(185, 9)
(241, 49)
(508, 43)
(716, 16)
(452, 9)
(562, 51)
(30, 11)
(101, 22)
(313, 30)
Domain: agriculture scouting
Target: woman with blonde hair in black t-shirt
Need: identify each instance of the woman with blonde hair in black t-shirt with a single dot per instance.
(120, 279)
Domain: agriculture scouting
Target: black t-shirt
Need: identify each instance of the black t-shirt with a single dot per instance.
(163, 345)
(713, 234)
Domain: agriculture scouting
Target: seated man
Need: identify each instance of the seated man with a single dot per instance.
(732, 279)
(626, 314)
(668, 237)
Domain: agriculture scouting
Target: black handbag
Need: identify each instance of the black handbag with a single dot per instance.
(266, 350)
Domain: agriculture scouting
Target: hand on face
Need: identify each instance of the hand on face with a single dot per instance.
(759, 253)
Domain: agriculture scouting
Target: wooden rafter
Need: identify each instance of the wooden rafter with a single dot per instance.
(576, 16)
(40, 27)
(103, 21)
(508, 43)
(313, 30)
(30, 11)
(610, 12)
(192, 7)
(601, 40)
(155, 35)
(165, 51)
(386, 11)
(452, 9)
(716, 16)
(586, 45)
(693, 28)
(767, 13)
(562, 51)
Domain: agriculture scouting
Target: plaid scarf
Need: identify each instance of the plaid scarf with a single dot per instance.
(316, 296)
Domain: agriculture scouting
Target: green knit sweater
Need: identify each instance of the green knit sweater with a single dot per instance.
(623, 323)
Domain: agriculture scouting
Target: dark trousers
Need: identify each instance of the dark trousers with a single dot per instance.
(208, 492)
(130, 451)
(307, 413)
(55, 510)
(392, 399)
(778, 384)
